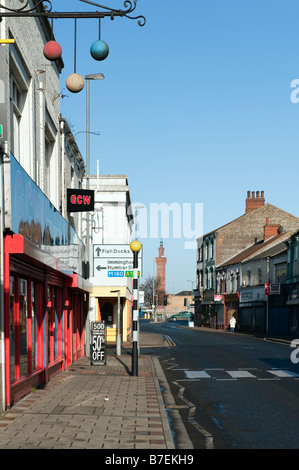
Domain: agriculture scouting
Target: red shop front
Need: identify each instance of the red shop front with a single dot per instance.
(45, 309)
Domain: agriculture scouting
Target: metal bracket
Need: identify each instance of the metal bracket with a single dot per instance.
(42, 10)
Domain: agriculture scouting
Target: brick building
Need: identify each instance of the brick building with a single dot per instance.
(214, 248)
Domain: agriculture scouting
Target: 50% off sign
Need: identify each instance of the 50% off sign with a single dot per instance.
(98, 343)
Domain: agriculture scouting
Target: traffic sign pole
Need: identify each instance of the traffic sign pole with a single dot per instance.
(135, 247)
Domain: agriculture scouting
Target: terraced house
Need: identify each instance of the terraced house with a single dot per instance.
(260, 222)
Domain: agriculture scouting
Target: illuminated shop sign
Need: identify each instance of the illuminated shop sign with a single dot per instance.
(80, 200)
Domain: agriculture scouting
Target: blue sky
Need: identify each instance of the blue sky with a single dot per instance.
(195, 108)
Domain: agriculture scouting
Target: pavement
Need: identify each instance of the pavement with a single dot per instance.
(102, 407)
(99, 407)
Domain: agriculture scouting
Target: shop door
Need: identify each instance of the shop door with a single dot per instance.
(54, 324)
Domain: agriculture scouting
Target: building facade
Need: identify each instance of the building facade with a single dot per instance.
(44, 295)
(260, 222)
(292, 282)
(111, 260)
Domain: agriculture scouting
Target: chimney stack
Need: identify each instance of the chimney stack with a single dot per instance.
(254, 201)
(270, 229)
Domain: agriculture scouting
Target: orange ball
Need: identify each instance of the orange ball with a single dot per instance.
(52, 50)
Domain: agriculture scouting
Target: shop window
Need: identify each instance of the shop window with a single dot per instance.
(23, 316)
(52, 321)
(33, 326)
(12, 336)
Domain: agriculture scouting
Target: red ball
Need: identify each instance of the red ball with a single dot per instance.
(52, 50)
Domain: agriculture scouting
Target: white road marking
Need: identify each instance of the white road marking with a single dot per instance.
(283, 373)
(236, 374)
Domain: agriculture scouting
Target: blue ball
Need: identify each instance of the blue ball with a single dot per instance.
(99, 50)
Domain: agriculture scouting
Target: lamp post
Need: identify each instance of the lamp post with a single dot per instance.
(95, 76)
(135, 247)
(118, 336)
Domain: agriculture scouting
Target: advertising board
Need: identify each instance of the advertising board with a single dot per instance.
(98, 343)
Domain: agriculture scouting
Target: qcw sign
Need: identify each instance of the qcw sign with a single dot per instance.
(80, 200)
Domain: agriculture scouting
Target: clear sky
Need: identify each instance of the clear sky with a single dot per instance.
(196, 108)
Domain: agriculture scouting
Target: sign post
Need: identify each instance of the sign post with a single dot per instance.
(98, 343)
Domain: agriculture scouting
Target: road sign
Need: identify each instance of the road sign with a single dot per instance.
(1, 131)
(114, 261)
(131, 273)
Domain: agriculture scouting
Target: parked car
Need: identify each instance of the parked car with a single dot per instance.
(179, 316)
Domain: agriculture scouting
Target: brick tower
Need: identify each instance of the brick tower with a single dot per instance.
(161, 274)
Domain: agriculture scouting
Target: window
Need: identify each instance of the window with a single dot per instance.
(50, 167)
(248, 277)
(12, 339)
(33, 325)
(207, 250)
(233, 283)
(259, 276)
(16, 115)
(20, 117)
(280, 272)
(23, 317)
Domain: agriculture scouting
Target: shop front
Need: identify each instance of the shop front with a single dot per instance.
(231, 309)
(252, 309)
(45, 296)
(44, 318)
(108, 302)
(293, 306)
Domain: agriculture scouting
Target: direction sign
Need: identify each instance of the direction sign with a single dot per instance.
(114, 261)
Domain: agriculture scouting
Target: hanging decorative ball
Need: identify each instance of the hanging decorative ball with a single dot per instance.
(52, 50)
(75, 83)
(99, 50)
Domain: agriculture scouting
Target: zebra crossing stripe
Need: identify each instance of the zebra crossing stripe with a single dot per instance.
(239, 374)
(283, 373)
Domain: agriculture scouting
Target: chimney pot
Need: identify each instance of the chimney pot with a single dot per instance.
(253, 202)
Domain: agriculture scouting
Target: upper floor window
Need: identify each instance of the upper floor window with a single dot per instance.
(20, 114)
(207, 251)
(248, 277)
(259, 276)
(280, 272)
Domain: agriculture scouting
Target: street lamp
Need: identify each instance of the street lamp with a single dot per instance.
(94, 76)
(118, 337)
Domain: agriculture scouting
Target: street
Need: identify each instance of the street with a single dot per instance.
(232, 390)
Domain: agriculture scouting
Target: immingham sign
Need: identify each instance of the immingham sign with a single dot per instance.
(114, 261)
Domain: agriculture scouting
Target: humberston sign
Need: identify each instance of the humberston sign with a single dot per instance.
(80, 200)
